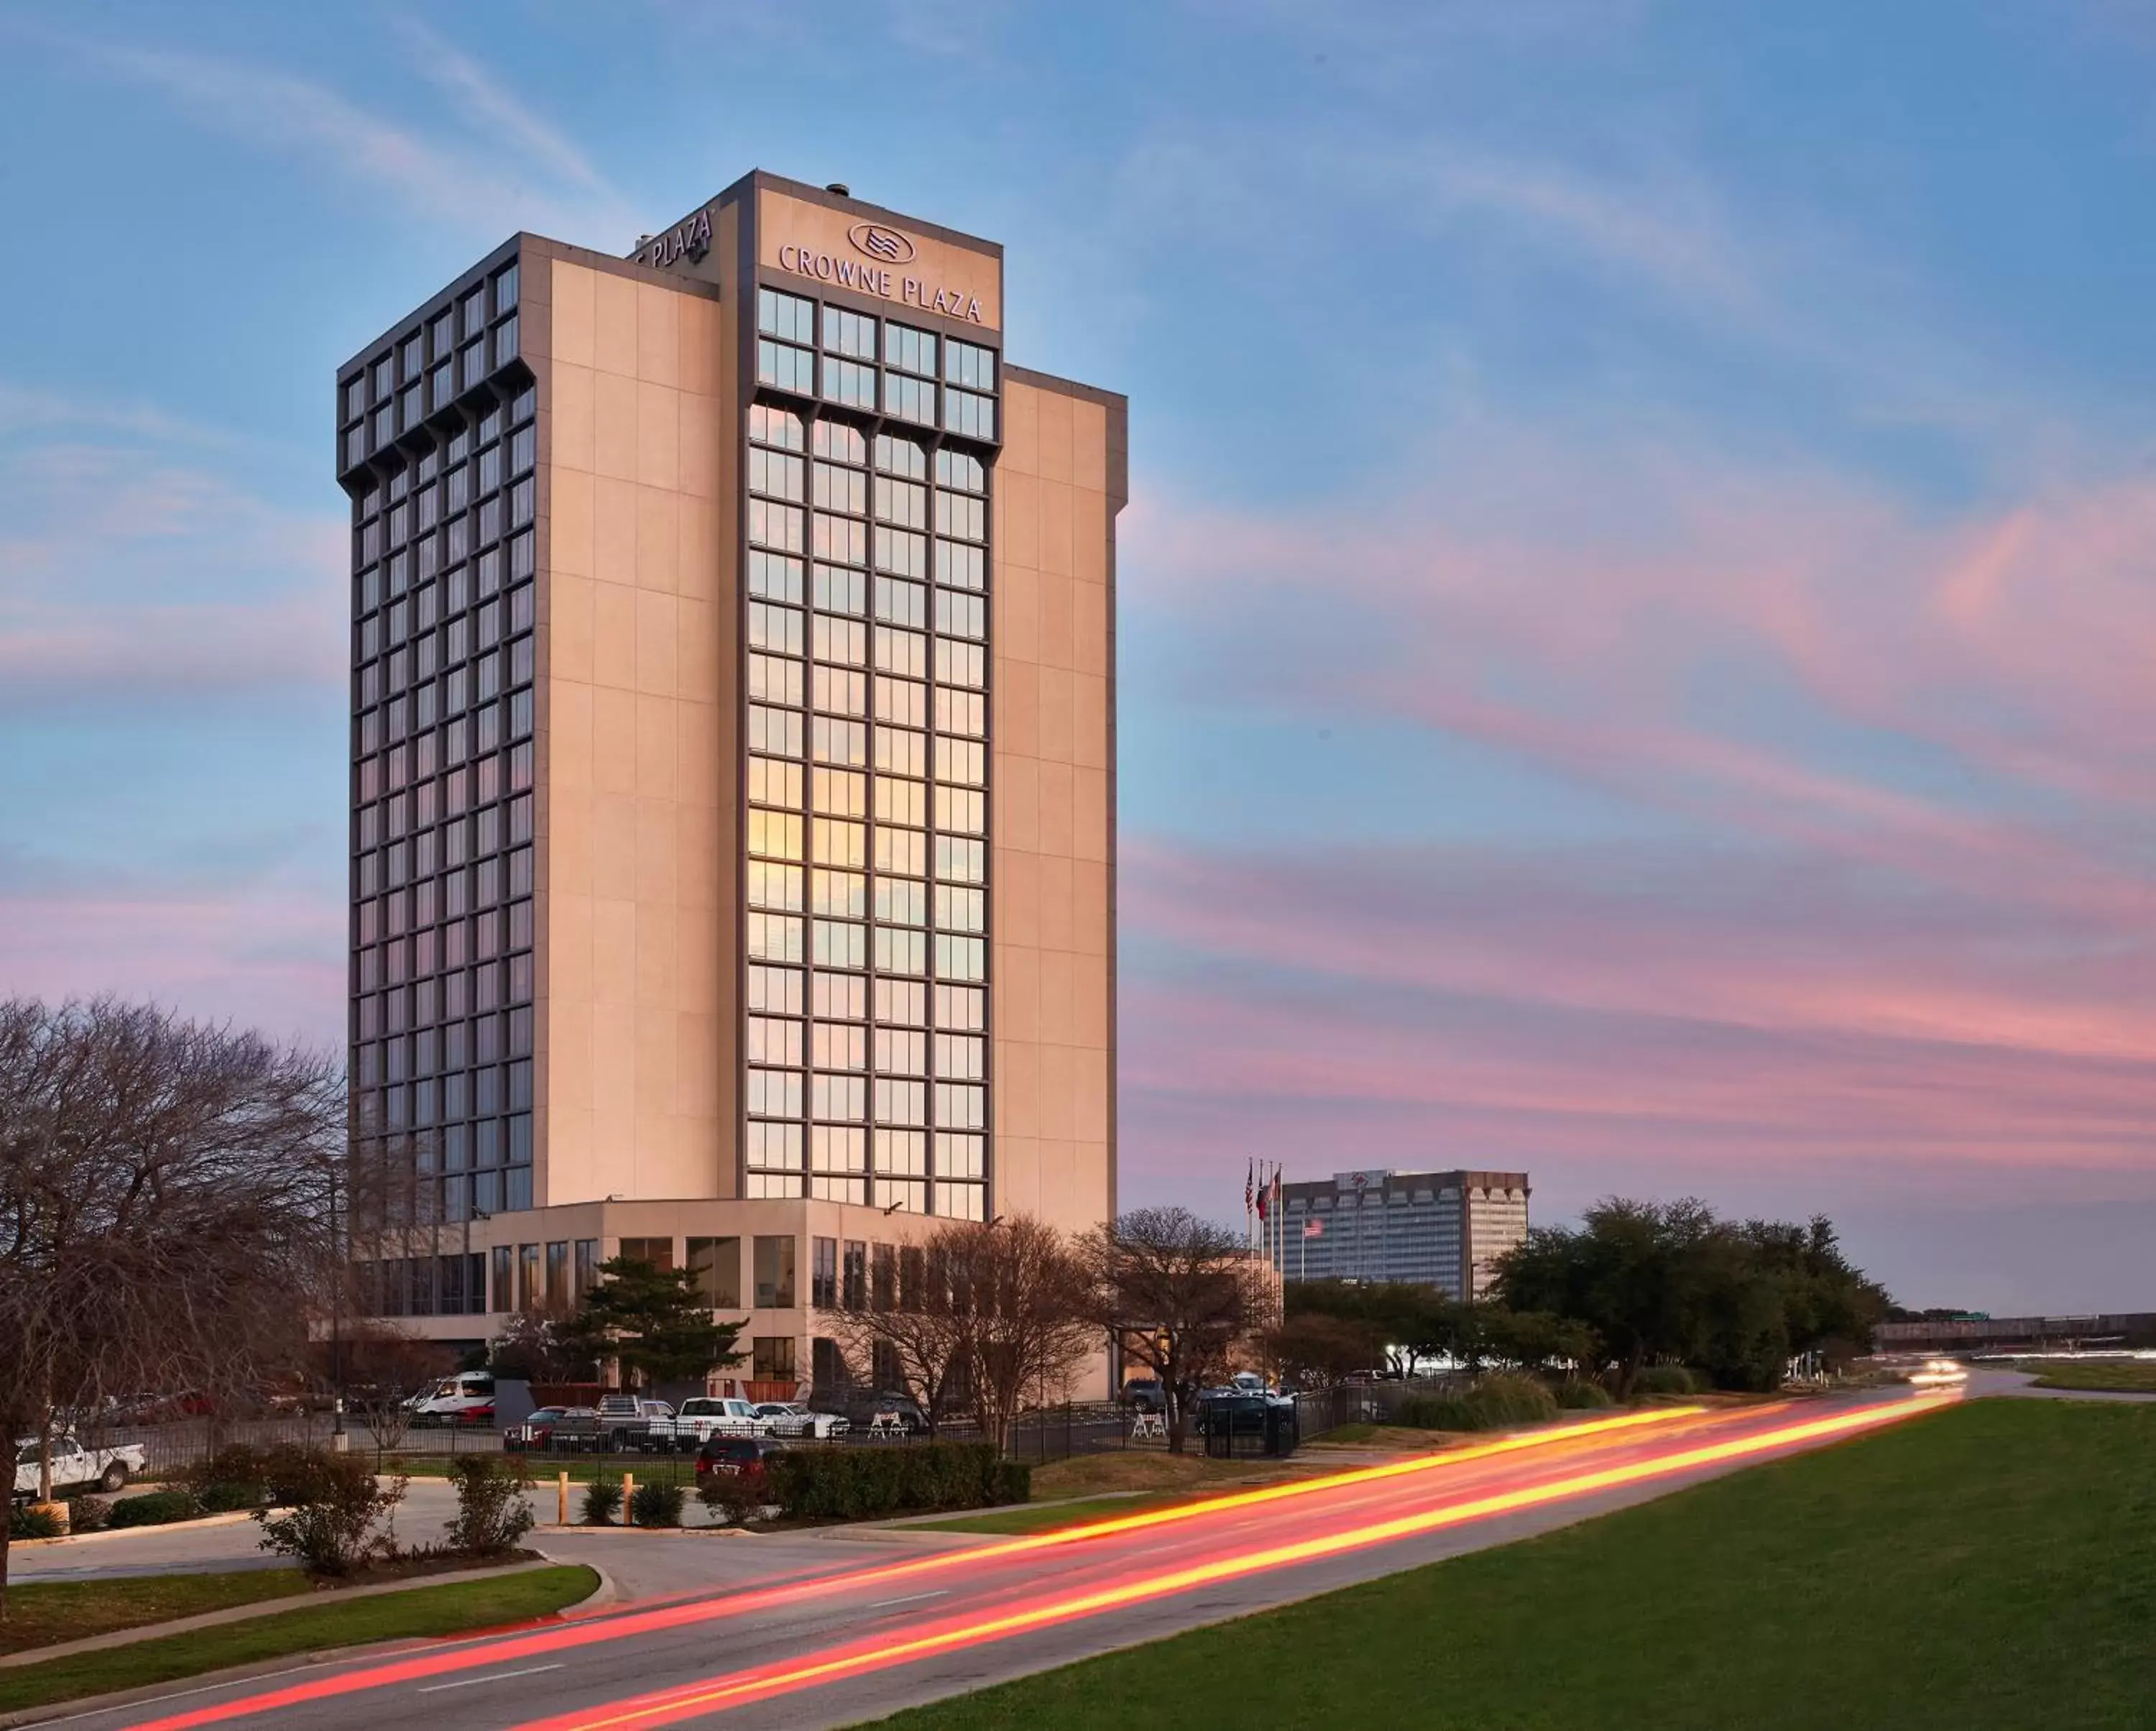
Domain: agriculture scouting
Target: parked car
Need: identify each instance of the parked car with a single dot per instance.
(75, 1466)
(465, 1398)
(863, 1404)
(796, 1418)
(625, 1421)
(702, 1417)
(552, 1427)
(1143, 1393)
(735, 1454)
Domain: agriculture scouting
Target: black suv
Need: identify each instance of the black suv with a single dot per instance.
(862, 1406)
(737, 1454)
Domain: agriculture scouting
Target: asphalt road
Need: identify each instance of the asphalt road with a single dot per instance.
(843, 1633)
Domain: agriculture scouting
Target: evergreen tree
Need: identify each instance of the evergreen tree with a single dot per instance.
(653, 1321)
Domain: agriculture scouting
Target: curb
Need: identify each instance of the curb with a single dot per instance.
(197, 1525)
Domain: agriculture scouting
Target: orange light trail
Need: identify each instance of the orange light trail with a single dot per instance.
(671, 1706)
(554, 1638)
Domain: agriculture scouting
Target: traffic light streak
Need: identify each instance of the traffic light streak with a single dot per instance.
(554, 1638)
(671, 1706)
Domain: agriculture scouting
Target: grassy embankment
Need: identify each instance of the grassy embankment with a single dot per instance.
(451, 1609)
(2111, 1376)
(1988, 1567)
(1098, 1487)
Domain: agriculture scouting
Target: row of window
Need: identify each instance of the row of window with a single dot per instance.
(845, 371)
(848, 1046)
(830, 894)
(450, 353)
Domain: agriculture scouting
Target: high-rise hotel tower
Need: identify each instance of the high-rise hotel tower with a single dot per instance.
(733, 800)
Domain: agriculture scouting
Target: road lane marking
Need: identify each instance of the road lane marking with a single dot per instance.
(492, 1676)
(911, 1598)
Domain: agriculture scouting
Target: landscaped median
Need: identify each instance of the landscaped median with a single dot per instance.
(2103, 1376)
(1984, 1568)
(328, 1618)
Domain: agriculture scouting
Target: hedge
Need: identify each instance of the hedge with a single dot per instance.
(1495, 1403)
(865, 1484)
(153, 1509)
(1664, 1379)
(1584, 1396)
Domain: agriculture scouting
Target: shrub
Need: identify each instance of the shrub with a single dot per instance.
(492, 1515)
(1664, 1379)
(857, 1484)
(29, 1520)
(89, 1514)
(1435, 1412)
(334, 1529)
(602, 1503)
(1580, 1395)
(154, 1509)
(737, 1497)
(1505, 1398)
(1014, 1481)
(657, 1504)
(234, 1478)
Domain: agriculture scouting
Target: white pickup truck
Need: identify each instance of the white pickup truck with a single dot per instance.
(704, 1417)
(75, 1467)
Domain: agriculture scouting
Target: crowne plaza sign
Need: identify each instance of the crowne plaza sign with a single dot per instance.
(918, 272)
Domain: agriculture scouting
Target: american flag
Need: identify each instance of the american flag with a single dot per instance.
(1249, 1187)
(1313, 1229)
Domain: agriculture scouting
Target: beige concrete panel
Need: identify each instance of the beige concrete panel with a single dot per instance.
(700, 346)
(1017, 613)
(658, 633)
(1055, 463)
(568, 731)
(1090, 1092)
(1017, 701)
(1015, 1003)
(697, 933)
(658, 539)
(1056, 503)
(1058, 1088)
(656, 879)
(1056, 740)
(613, 348)
(569, 531)
(575, 290)
(613, 739)
(696, 654)
(576, 408)
(614, 636)
(697, 769)
(655, 1068)
(1089, 716)
(613, 957)
(1053, 1175)
(1090, 533)
(569, 1057)
(698, 439)
(1015, 812)
(1018, 1176)
(1089, 628)
(659, 333)
(1017, 895)
(569, 948)
(613, 426)
(655, 776)
(1088, 1002)
(1017, 519)
(697, 844)
(1018, 1089)
(1058, 1024)
(1089, 907)
(567, 1173)
(697, 573)
(658, 950)
(696, 1053)
(1090, 814)
(1089, 444)
(569, 605)
(1058, 927)
(1021, 451)
(1055, 797)
(613, 531)
(1056, 648)
(659, 436)
(569, 842)
(613, 846)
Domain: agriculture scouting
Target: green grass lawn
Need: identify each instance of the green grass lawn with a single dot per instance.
(1989, 1568)
(450, 1610)
(40, 1613)
(2116, 1376)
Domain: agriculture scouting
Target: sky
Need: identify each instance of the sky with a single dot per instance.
(1637, 607)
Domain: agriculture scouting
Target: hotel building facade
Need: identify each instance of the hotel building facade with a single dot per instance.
(1441, 1229)
(733, 788)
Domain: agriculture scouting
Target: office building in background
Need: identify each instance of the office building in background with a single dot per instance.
(732, 797)
(1439, 1229)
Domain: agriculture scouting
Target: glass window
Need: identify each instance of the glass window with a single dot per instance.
(910, 399)
(784, 366)
(659, 1252)
(774, 1272)
(909, 350)
(715, 1263)
(849, 383)
(770, 1358)
(973, 417)
(527, 1277)
(970, 365)
(587, 1265)
(789, 317)
(848, 333)
(557, 1275)
(779, 427)
(824, 1278)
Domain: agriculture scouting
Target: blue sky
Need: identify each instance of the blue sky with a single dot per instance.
(1637, 612)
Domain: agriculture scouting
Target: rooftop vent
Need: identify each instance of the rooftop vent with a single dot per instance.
(841, 189)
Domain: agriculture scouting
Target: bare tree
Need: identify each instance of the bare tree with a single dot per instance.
(385, 1369)
(987, 1317)
(1179, 1293)
(162, 1214)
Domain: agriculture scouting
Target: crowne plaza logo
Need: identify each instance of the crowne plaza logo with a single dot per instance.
(885, 245)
